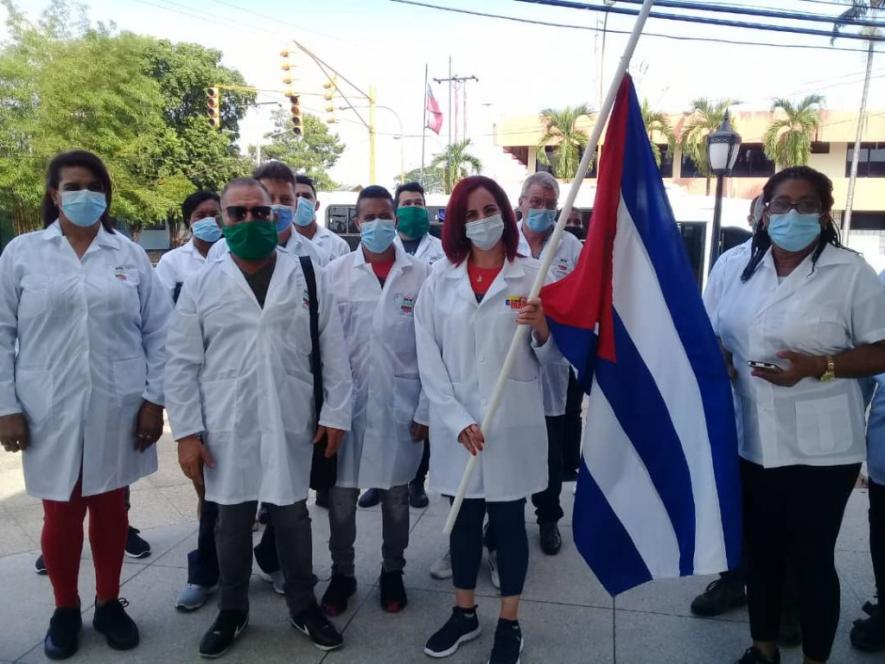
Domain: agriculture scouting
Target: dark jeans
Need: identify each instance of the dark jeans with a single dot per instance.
(507, 525)
(572, 425)
(421, 475)
(792, 515)
(202, 562)
(877, 536)
(546, 502)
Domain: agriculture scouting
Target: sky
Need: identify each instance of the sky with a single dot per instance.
(521, 68)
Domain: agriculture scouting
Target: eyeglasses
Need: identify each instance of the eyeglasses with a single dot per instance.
(239, 212)
(805, 206)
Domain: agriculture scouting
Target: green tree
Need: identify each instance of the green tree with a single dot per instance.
(313, 154)
(657, 124)
(705, 118)
(434, 181)
(456, 163)
(787, 142)
(561, 129)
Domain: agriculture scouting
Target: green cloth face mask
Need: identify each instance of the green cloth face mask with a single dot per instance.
(412, 222)
(251, 240)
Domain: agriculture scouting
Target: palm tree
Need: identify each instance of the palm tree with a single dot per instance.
(657, 124)
(456, 162)
(561, 128)
(787, 142)
(705, 118)
(858, 9)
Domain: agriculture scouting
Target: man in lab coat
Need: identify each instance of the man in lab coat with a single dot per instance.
(240, 402)
(306, 220)
(377, 287)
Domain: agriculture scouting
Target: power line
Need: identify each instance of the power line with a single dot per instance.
(657, 35)
(568, 4)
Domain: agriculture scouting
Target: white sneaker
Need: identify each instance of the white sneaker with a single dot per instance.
(493, 570)
(276, 578)
(442, 568)
(193, 596)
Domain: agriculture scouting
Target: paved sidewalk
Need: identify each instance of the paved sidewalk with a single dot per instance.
(566, 616)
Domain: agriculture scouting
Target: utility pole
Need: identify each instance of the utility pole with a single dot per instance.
(372, 134)
(461, 80)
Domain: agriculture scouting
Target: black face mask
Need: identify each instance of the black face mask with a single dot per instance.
(577, 231)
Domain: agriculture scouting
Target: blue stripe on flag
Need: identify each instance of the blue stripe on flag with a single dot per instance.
(644, 195)
(602, 540)
(578, 345)
(642, 413)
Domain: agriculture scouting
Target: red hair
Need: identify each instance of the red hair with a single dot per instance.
(454, 236)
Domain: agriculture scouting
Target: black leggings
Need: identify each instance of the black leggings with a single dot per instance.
(507, 523)
(794, 513)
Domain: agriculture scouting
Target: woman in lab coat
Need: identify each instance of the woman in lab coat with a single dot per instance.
(465, 317)
(82, 397)
(799, 318)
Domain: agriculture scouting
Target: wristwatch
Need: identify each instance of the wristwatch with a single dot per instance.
(830, 373)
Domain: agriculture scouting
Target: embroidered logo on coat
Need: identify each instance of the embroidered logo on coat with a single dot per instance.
(120, 273)
(405, 303)
(515, 302)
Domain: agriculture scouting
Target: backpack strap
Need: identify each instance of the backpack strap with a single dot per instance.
(316, 366)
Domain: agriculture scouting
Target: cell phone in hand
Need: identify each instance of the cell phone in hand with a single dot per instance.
(755, 364)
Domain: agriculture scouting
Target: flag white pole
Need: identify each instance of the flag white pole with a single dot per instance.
(552, 244)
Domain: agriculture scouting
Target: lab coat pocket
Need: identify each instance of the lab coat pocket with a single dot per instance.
(297, 410)
(405, 398)
(521, 404)
(219, 399)
(34, 300)
(130, 378)
(34, 390)
(823, 426)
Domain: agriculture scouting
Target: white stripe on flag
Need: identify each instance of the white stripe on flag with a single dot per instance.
(640, 304)
(624, 481)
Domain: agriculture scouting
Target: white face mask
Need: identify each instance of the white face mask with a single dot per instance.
(485, 233)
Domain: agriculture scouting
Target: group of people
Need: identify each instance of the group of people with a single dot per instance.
(274, 349)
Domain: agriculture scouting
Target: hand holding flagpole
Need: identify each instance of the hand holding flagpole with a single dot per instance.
(553, 243)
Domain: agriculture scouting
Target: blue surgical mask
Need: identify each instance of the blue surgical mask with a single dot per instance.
(794, 231)
(540, 219)
(206, 229)
(283, 216)
(304, 212)
(377, 235)
(485, 233)
(84, 207)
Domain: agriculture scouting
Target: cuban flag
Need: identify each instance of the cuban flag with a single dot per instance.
(658, 490)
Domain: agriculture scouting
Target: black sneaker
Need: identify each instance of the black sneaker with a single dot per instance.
(339, 591)
(551, 540)
(461, 627)
(393, 592)
(370, 498)
(118, 628)
(62, 638)
(224, 631)
(508, 643)
(136, 547)
(322, 498)
(40, 566)
(312, 622)
(868, 634)
(755, 656)
(418, 496)
(719, 597)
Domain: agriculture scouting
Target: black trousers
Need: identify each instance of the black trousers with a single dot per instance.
(877, 537)
(421, 474)
(794, 514)
(546, 502)
(572, 424)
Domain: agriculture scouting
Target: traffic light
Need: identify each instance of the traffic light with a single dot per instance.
(213, 106)
(329, 95)
(297, 124)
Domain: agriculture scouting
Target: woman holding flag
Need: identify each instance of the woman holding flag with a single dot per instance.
(799, 317)
(468, 309)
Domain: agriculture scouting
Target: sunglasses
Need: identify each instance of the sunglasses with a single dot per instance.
(805, 206)
(238, 213)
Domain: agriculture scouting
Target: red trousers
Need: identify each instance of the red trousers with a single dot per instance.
(62, 543)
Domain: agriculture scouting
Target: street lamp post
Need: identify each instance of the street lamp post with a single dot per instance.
(722, 151)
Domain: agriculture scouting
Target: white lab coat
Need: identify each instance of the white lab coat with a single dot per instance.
(296, 245)
(176, 265)
(90, 336)
(461, 348)
(554, 376)
(379, 328)
(240, 375)
(332, 243)
(429, 248)
(834, 307)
